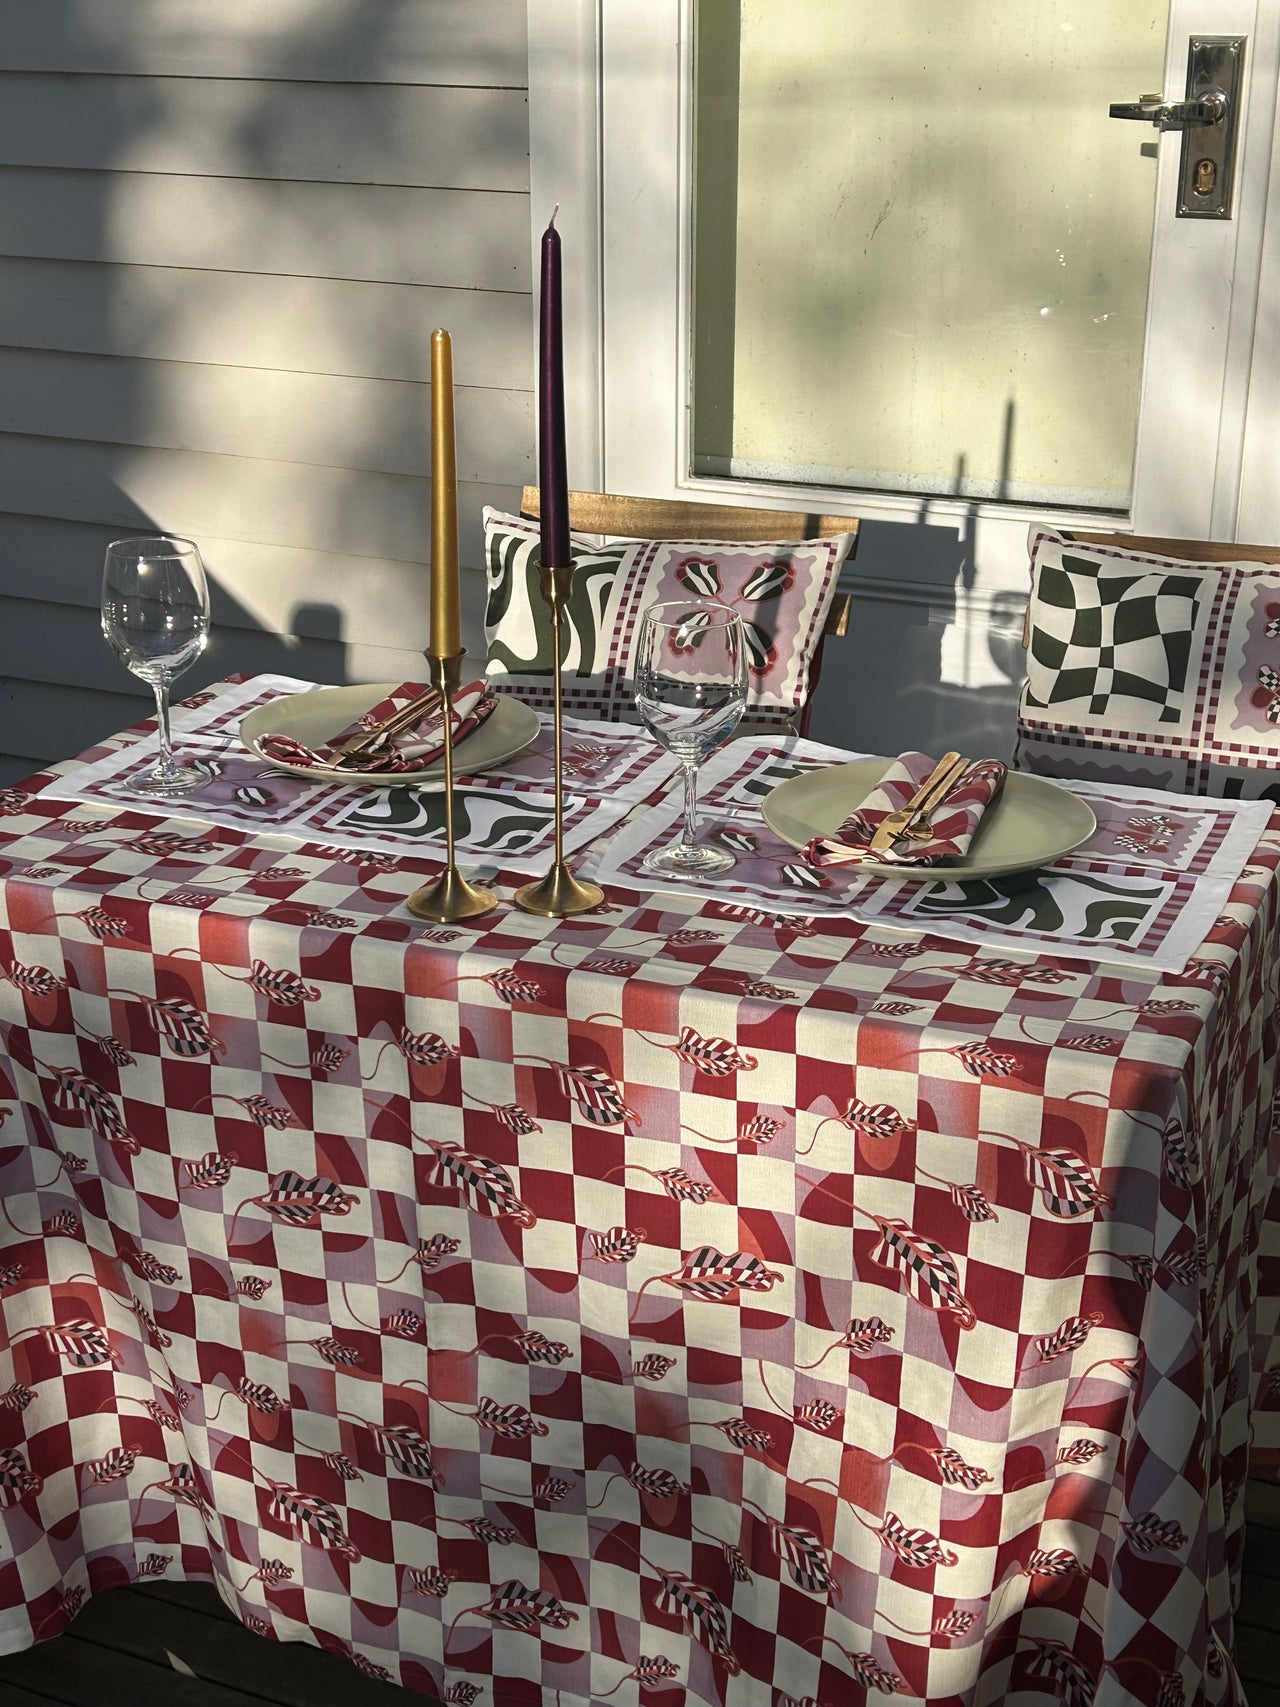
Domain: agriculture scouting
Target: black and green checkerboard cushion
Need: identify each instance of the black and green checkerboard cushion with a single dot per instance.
(1151, 670)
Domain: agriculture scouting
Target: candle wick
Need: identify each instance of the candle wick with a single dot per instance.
(555, 210)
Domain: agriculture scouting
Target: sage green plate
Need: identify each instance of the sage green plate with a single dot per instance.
(324, 712)
(1033, 821)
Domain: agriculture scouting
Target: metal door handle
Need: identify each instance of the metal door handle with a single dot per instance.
(1208, 119)
(1208, 108)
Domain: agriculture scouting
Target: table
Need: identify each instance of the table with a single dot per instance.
(685, 1303)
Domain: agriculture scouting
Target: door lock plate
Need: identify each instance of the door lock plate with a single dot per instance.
(1206, 178)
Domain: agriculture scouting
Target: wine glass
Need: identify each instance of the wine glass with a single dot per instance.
(691, 689)
(155, 615)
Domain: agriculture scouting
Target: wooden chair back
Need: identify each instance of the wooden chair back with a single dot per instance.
(620, 517)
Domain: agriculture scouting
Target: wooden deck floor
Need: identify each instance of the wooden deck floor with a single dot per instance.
(119, 1651)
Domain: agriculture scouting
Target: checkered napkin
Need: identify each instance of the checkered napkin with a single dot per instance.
(955, 818)
(420, 745)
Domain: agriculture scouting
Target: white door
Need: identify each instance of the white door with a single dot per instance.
(899, 261)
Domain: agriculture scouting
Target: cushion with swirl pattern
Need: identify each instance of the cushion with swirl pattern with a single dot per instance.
(782, 590)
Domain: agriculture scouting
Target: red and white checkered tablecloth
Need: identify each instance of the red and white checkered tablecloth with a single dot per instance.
(679, 1305)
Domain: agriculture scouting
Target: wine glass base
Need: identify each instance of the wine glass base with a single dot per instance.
(684, 860)
(152, 786)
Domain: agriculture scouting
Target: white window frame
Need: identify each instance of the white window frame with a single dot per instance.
(610, 141)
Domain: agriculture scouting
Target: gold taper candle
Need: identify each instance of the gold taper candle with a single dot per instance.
(446, 618)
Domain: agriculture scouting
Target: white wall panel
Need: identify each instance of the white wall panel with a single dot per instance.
(375, 424)
(307, 325)
(389, 41)
(226, 232)
(349, 133)
(269, 503)
(476, 240)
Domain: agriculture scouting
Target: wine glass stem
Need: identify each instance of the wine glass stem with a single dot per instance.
(164, 764)
(690, 802)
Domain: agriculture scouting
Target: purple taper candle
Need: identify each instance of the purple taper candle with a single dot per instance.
(553, 479)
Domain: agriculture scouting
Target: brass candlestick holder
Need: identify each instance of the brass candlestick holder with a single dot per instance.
(559, 894)
(450, 897)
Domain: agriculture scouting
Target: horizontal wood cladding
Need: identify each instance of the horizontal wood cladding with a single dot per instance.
(142, 490)
(342, 133)
(36, 638)
(475, 42)
(325, 326)
(467, 239)
(375, 424)
(42, 722)
(364, 601)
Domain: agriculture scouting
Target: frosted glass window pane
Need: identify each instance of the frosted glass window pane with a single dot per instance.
(921, 247)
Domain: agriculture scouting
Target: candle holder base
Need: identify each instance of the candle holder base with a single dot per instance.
(559, 894)
(450, 898)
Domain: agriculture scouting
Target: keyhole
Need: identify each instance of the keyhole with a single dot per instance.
(1206, 177)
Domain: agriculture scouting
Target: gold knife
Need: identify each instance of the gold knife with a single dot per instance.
(389, 728)
(944, 775)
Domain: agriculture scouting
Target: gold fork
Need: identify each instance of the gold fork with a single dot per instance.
(362, 745)
(909, 821)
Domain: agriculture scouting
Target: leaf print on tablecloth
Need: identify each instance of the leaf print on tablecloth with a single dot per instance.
(928, 1270)
(678, 1185)
(511, 1422)
(486, 1187)
(114, 1465)
(103, 924)
(183, 1027)
(714, 1056)
(803, 1553)
(507, 984)
(423, 1048)
(83, 1343)
(1079, 1452)
(431, 1581)
(1053, 1562)
(185, 1486)
(1148, 1533)
(618, 1244)
(915, 1547)
(255, 1395)
(594, 1092)
(653, 1367)
(17, 1397)
(879, 1120)
(16, 1480)
(32, 980)
(714, 1278)
(1069, 1335)
(313, 1518)
(154, 1565)
(860, 1337)
(298, 1202)
(211, 1171)
(1067, 1184)
(149, 1267)
(703, 1613)
(341, 1466)
(515, 1607)
(1060, 1666)
(407, 1450)
(270, 1573)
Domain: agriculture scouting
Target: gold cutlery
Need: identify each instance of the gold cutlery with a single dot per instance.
(386, 731)
(910, 821)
